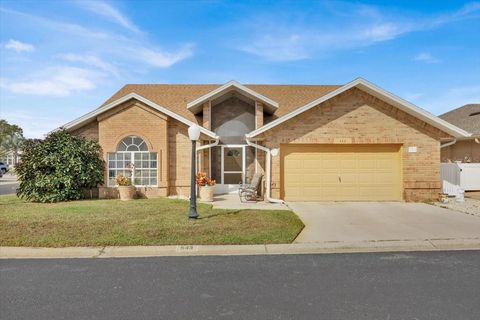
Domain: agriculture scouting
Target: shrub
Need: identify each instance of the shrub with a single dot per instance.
(59, 168)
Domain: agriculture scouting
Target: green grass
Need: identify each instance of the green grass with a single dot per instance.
(157, 221)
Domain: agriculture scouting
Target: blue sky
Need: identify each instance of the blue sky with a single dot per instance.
(61, 59)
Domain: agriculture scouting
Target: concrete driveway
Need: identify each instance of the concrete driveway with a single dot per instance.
(381, 221)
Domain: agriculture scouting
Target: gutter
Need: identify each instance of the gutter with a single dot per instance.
(217, 140)
(448, 143)
(267, 169)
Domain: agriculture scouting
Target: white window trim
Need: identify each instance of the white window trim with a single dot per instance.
(132, 155)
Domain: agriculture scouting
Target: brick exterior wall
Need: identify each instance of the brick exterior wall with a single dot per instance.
(363, 119)
(260, 159)
(179, 159)
(135, 118)
(89, 131)
(354, 115)
(258, 114)
(204, 156)
(461, 151)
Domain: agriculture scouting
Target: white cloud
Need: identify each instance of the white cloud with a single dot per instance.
(106, 10)
(445, 100)
(34, 124)
(289, 47)
(90, 60)
(295, 37)
(103, 46)
(163, 59)
(19, 46)
(57, 81)
(426, 57)
(381, 32)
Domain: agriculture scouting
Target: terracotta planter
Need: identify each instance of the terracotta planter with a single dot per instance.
(126, 192)
(206, 193)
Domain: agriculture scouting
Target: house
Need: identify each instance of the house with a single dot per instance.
(352, 142)
(465, 149)
(9, 159)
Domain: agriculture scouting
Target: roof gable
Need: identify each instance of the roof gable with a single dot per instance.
(195, 105)
(379, 93)
(87, 117)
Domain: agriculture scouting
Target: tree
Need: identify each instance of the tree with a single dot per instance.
(11, 138)
(59, 168)
(7, 129)
(13, 143)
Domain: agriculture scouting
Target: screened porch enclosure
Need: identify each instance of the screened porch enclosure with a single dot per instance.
(232, 162)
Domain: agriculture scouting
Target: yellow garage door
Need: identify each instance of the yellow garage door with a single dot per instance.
(341, 172)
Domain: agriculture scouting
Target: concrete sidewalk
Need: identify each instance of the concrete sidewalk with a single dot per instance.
(222, 250)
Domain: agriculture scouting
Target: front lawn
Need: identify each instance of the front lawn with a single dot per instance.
(140, 222)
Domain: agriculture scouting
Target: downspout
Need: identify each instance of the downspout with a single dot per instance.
(448, 143)
(267, 169)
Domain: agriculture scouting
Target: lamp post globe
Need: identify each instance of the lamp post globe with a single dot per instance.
(194, 132)
(194, 135)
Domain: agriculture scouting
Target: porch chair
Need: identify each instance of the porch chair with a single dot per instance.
(249, 192)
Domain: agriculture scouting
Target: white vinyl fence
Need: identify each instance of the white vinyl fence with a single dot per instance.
(460, 176)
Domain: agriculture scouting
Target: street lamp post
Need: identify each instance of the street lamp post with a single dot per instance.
(194, 135)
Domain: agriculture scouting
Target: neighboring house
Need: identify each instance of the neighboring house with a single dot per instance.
(10, 159)
(353, 142)
(465, 149)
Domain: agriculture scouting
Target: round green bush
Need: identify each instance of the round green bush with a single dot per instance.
(59, 168)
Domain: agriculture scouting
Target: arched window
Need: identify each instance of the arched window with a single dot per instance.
(133, 160)
(132, 143)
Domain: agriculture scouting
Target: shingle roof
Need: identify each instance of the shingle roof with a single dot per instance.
(466, 117)
(176, 96)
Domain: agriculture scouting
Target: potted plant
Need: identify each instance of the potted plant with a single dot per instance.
(125, 188)
(207, 186)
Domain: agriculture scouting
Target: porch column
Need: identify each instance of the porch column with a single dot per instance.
(258, 114)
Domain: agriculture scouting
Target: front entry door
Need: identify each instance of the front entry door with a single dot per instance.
(233, 170)
(232, 173)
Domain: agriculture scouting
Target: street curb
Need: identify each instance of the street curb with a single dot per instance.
(232, 250)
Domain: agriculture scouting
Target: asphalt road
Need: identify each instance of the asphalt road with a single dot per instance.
(431, 285)
(8, 188)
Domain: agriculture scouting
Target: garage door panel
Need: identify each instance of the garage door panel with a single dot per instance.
(347, 178)
(328, 178)
(341, 172)
(329, 163)
(384, 163)
(294, 179)
(367, 177)
(348, 163)
(384, 178)
(366, 163)
(311, 163)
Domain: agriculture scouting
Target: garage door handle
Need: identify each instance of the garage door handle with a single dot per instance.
(339, 179)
